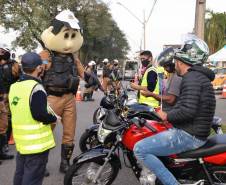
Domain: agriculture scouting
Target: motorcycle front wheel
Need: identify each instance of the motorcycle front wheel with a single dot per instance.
(88, 140)
(84, 173)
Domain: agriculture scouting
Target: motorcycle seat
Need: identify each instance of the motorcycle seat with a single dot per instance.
(215, 144)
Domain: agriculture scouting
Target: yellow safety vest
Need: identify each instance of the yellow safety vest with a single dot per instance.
(31, 136)
(149, 100)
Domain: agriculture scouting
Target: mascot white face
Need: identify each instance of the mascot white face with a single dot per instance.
(64, 35)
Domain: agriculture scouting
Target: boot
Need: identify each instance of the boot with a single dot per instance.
(85, 97)
(4, 155)
(46, 174)
(66, 152)
(90, 96)
(6, 146)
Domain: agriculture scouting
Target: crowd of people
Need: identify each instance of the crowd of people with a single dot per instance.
(45, 85)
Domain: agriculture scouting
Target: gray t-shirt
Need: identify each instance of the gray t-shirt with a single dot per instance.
(172, 87)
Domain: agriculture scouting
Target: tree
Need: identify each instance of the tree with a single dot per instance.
(102, 37)
(215, 30)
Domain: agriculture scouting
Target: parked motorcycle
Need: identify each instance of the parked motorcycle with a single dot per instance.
(100, 165)
(89, 137)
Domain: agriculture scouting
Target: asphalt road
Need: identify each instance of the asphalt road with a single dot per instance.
(85, 112)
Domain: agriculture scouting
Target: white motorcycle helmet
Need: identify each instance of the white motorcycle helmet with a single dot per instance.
(92, 63)
(105, 60)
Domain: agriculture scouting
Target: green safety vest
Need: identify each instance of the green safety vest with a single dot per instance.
(30, 135)
(149, 100)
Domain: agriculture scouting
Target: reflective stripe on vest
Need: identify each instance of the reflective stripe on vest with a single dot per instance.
(30, 135)
(149, 100)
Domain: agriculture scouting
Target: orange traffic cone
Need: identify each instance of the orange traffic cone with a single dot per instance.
(11, 140)
(78, 96)
(224, 90)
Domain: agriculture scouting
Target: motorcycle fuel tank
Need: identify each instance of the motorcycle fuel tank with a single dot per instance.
(135, 134)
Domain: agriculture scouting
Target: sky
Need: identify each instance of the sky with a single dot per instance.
(170, 20)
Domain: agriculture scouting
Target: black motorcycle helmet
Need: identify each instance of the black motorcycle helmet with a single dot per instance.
(106, 103)
(165, 58)
(4, 53)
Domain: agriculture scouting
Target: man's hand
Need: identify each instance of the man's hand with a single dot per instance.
(134, 86)
(146, 93)
(162, 115)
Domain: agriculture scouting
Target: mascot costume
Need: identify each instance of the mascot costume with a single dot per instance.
(61, 79)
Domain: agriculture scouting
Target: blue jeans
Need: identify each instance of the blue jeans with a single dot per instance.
(172, 141)
(30, 169)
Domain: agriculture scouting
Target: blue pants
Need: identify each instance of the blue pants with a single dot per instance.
(172, 141)
(30, 169)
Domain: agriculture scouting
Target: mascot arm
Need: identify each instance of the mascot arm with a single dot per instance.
(16, 70)
(45, 56)
(80, 68)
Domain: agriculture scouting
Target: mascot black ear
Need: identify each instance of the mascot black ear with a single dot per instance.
(57, 25)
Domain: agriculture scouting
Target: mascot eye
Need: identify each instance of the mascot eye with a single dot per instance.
(73, 35)
(66, 35)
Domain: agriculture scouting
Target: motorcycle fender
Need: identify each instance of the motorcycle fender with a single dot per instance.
(95, 154)
(92, 128)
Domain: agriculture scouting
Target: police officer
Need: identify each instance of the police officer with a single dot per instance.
(31, 127)
(106, 74)
(9, 71)
(89, 87)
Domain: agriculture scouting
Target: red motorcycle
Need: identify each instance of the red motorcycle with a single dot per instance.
(100, 165)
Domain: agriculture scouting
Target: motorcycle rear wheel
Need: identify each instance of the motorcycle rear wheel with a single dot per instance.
(82, 174)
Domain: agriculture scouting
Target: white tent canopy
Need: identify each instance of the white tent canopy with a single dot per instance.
(219, 55)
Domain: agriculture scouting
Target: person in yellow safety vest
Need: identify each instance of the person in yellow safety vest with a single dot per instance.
(170, 94)
(149, 81)
(31, 118)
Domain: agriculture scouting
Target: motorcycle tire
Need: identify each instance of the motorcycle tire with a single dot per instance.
(74, 172)
(88, 140)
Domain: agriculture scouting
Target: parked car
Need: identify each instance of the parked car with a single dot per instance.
(130, 68)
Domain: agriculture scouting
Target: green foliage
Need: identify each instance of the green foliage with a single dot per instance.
(102, 37)
(215, 31)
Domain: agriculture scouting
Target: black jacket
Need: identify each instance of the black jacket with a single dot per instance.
(195, 107)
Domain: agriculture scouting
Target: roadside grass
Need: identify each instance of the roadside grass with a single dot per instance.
(223, 128)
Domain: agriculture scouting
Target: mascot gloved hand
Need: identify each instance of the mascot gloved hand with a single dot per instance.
(62, 39)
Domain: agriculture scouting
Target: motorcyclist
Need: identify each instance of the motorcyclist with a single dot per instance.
(172, 91)
(191, 116)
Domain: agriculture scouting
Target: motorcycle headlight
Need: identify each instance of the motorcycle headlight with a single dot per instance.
(103, 133)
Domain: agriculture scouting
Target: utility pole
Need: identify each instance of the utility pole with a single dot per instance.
(144, 22)
(200, 18)
(144, 26)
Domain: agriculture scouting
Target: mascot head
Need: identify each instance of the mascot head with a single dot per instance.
(64, 34)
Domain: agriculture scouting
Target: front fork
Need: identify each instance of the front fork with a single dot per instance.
(106, 160)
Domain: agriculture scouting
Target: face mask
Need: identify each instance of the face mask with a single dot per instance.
(145, 63)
